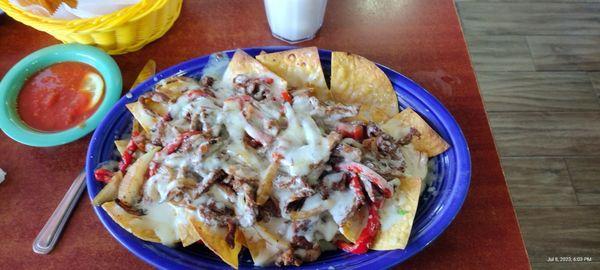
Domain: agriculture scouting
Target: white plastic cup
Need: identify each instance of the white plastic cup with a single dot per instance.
(295, 21)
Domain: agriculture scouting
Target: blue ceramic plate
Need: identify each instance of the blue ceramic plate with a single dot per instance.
(452, 172)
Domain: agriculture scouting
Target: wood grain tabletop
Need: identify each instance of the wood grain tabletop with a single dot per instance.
(421, 39)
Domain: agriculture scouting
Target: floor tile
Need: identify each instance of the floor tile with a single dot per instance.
(567, 266)
(531, 1)
(539, 182)
(499, 53)
(565, 52)
(546, 133)
(537, 91)
(523, 18)
(595, 78)
(585, 175)
(560, 231)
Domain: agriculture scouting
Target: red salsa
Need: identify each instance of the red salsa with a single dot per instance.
(58, 97)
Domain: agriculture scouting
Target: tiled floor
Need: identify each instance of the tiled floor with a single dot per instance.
(538, 68)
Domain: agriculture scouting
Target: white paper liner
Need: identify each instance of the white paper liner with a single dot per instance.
(85, 9)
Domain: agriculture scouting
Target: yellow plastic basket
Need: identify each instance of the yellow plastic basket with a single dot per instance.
(123, 31)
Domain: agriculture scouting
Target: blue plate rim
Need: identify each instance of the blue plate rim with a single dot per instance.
(381, 259)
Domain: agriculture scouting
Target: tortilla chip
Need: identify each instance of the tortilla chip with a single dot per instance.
(173, 87)
(262, 253)
(368, 113)
(135, 126)
(356, 80)
(110, 190)
(428, 140)
(146, 120)
(242, 63)
(353, 226)
(147, 71)
(129, 222)
(121, 146)
(301, 68)
(158, 108)
(133, 181)
(397, 215)
(266, 183)
(187, 233)
(214, 238)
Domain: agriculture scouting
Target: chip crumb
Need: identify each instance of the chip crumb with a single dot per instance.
(2, 175)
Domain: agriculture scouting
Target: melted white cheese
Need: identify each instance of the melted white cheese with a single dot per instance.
(342, 203)
(302, 144)
(160, 217)
(416, 162)
(392, 206)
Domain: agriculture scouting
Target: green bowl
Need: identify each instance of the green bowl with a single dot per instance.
(13, 81)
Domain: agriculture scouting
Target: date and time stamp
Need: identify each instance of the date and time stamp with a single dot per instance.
(569, 259)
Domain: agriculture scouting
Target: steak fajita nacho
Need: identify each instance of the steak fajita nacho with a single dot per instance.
(266, 156)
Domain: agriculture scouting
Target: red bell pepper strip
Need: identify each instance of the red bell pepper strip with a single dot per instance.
(135, 134)
(351, 131)
(103, 175)
(285, 95)
(268, 80)
(127, 157)
(172, 147)
(368, 233)
(371, 175)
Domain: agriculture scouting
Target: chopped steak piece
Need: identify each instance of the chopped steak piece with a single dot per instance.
(205, 184)
(268, 210)
(297, 185)
(333, 182)
(288, 258)
(298, 188)
(230, 237)
(215, 214)
(300, 242)
(408, 138)
(373, 130)
(347, 152)
(300, 226)
(228, 191)
(207, 81)
(309, 254)
(130, 209)
(386, 144)
(256, 88)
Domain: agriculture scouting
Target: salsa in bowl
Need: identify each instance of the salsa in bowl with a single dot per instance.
(58, 94)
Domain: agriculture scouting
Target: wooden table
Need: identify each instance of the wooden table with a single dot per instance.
(421, 39)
